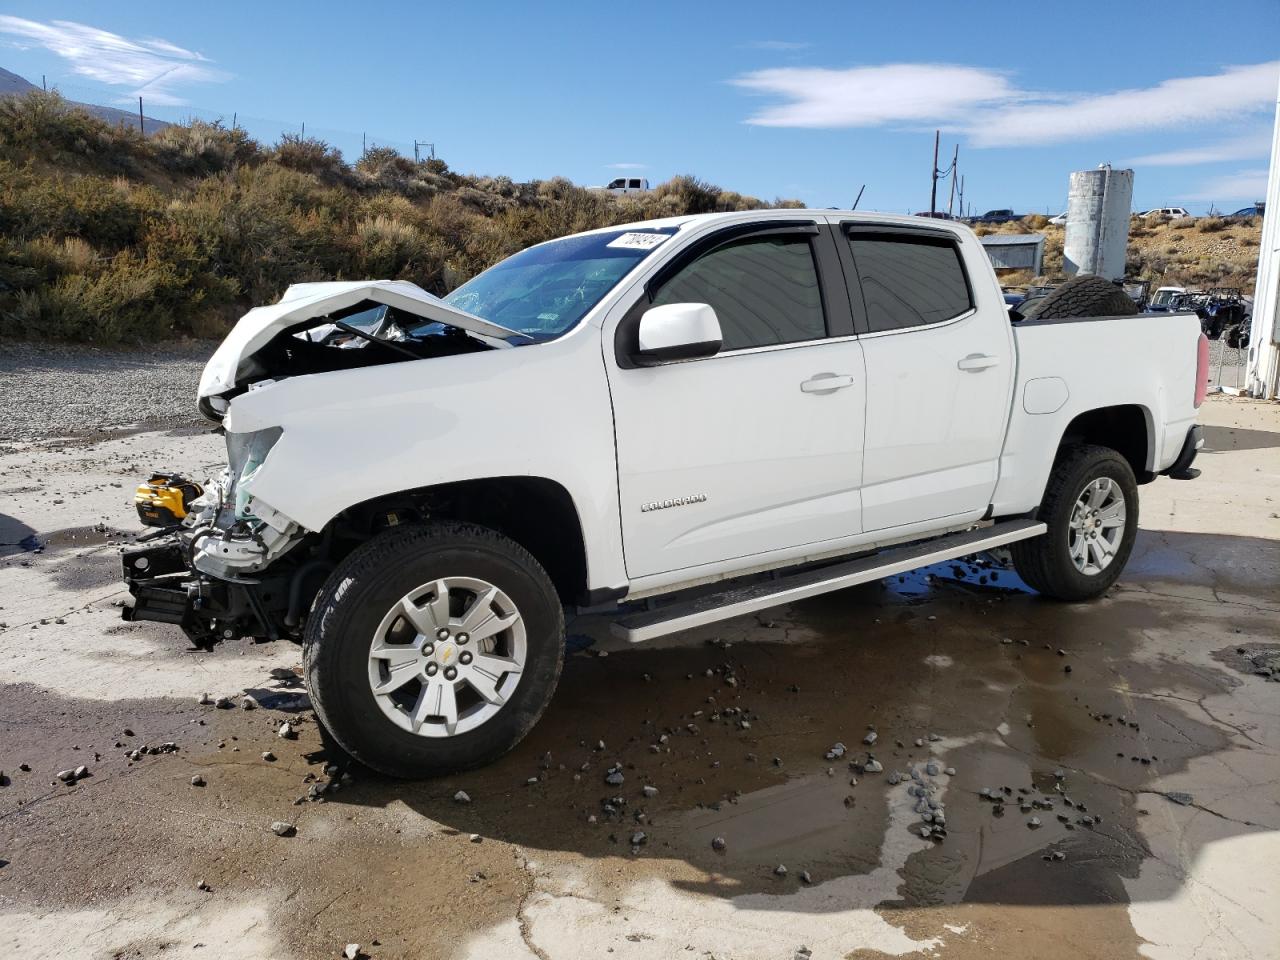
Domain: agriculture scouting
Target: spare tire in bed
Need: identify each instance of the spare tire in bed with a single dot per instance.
(1082, 297)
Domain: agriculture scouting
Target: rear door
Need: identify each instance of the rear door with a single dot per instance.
(940, 368)
(758, 448)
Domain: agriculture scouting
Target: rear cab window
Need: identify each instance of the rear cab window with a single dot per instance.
(907, 279)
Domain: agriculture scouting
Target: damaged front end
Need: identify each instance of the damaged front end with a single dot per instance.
(236, 565)
(227, 569)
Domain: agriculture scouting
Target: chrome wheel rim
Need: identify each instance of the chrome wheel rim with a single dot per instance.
(1097, 526)
(447, 656)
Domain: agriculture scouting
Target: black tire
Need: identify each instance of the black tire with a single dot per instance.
(367, 585)
(1082, 297)
(1045, 562)
(1238, 336)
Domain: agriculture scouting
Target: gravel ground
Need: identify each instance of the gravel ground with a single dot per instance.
(51, 390)
(1226, 365)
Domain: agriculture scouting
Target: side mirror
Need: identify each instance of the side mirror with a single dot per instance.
(677, 331)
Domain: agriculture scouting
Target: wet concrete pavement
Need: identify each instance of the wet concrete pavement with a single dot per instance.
(1134, 729)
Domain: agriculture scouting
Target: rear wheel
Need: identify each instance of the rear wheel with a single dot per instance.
(1091, 509)
(434, 648)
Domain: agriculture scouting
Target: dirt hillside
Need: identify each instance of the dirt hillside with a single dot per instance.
(1196, 252)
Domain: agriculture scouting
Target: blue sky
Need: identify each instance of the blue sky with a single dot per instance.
(808, 100)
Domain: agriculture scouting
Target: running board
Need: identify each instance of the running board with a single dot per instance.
(810, 583)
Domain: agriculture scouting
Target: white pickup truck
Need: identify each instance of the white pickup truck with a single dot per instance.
(710, 414)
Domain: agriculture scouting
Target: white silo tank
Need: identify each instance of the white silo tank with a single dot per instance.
(1097, 233)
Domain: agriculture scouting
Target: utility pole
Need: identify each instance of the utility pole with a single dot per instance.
(43, 86)
(955, 157)
(304, 129)
(234, 115)
(933, 188)
(142, 124)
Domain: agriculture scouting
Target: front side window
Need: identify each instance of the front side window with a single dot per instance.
(764, 291)
(910, 281)
(544, 291)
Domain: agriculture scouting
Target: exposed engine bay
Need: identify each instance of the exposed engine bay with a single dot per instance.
(223, 562)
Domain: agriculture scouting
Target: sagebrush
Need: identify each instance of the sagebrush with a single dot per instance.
(107, 236)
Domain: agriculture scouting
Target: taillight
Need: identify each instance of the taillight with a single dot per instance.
(1202, 369)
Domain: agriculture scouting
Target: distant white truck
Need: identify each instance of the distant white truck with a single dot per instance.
(623, 185)
(793, 401)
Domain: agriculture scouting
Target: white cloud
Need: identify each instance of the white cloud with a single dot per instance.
(1181, 102)
(626, 166)
(872, 96)
(152, 68)
(1238, 148)
(991, 110)
(1246, 185)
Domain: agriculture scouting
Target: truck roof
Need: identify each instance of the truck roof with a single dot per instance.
(790, 213)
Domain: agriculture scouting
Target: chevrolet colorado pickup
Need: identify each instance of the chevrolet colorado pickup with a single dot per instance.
(675, 421)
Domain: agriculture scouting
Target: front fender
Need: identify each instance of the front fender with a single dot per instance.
(356, 435)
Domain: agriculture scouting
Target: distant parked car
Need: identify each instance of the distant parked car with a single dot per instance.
(1172, 213)
(997, 216)
(1254, 210)
(1162, 301)
(1060, 219)
(936, 215)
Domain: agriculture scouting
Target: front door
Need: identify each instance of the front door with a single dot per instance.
(758, 448)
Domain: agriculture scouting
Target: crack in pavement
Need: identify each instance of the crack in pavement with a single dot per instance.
(1199, 702)
(85, 606)
(526, 932)
(1138, 588)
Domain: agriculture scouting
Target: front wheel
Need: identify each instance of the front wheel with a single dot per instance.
(1091, 509)
(434, 648)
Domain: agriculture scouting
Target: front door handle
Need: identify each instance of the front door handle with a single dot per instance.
(976, 362)
(826, 382)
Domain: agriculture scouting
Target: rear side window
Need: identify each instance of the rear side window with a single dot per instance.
(909, 281)
(764, 291)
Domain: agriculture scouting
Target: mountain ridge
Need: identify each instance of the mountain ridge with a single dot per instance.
(13, 85)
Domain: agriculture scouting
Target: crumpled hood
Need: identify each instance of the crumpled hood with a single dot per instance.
(307, 301)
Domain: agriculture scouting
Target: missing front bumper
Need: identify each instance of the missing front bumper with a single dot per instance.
(166, 589)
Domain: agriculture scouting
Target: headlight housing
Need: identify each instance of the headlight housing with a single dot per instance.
(246, 453)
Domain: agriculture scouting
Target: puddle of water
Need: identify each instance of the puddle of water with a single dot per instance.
(976, 573)
(92, 536)
(809, 822)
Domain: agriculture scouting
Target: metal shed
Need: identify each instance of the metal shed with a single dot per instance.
(1015, 251)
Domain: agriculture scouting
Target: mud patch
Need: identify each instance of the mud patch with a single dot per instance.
(1253, 659)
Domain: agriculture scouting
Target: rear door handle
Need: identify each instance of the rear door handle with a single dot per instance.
(826, 382)
(976, 362)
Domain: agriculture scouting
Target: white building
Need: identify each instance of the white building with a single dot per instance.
(1264, 347)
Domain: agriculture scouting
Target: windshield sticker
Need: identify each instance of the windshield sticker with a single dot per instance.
(637, 241)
